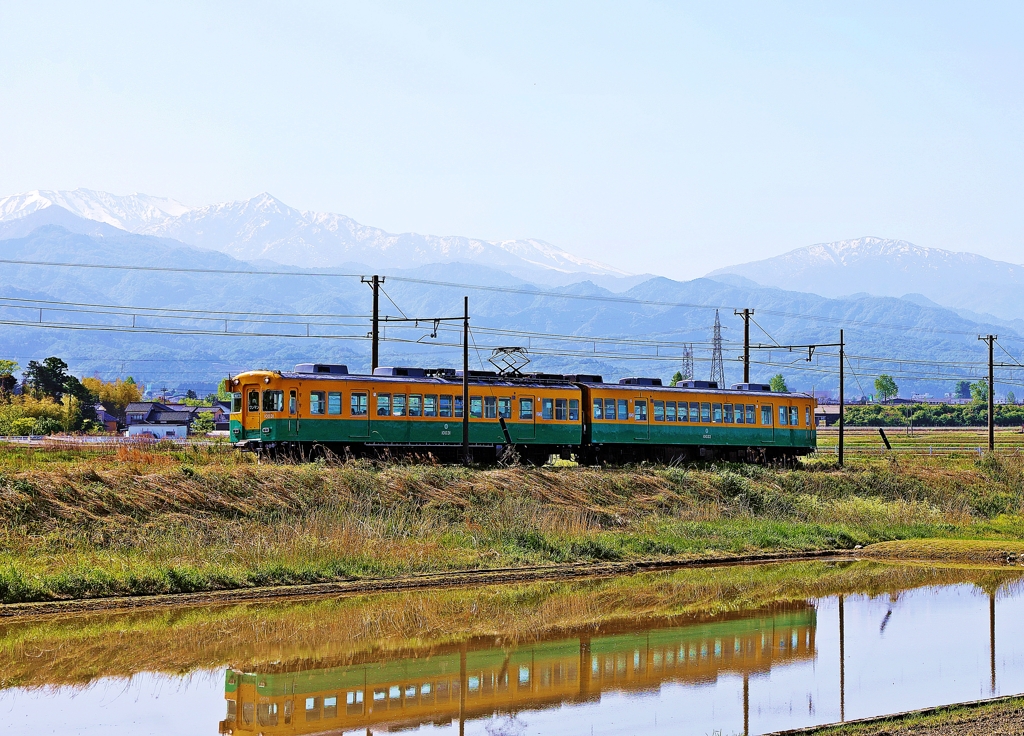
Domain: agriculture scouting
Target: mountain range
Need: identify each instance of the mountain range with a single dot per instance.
(264, 228)
(965, 282)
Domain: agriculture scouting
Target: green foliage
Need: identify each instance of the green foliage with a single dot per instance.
(778, 384)
(1010, 398)
(933, 415)
(886, 387)
(47, 425)
(676, 378)
(8, 367)
(979, 392)
(202, 424)
(963, 390)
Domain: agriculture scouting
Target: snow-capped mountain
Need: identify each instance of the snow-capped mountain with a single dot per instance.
(264, 228)
(131, 212)
(893, 268)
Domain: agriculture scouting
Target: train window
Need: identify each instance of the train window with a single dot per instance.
(273, 401)
(331, 707)
(561, 410)
(231, 711)
(312, 709)
(659, 411)
(783, 416)
(430, 405)
(670, 411)
(380, 694)
(293, 401)
(415, 405)
(476, 407)
(727, 413)
(266, 714)
(236, 403)
(716, 413)
(334, 402)
(751, 413)
(598, 409)
(247, 713)
(359, 404)
(807, 416)
(426, 693)
(254, 401)
(640, 410)
(547, 408)
(609, 409)
(490, 407)
(398, 405)
(574, 410)
(316, 402)
(705, 412)
(739, 414)
(458, 406)
(383, 405)
(623, 410)
(445, 407)
(504, 407)
(766, 415)
(794, 416)
(694, 411)
(526, 408)
(287, 711)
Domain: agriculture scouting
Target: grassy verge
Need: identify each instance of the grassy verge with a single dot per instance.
(102, 523)
(1004, 717)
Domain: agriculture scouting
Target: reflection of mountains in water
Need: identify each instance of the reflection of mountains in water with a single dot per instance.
(480, 678)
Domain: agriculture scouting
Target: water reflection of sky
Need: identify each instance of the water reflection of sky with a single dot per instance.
(929, 646)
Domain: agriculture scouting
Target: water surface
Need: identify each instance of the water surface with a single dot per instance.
(729, 650)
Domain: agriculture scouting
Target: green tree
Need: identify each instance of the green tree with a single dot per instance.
(1010, 398)
(202, 424)
(778, 384)
(51, 379)
(886, 388)
(7, 379)
(979, 391)
(963, 390)
(676, 378)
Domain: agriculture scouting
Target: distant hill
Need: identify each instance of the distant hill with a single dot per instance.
(893, 268)
(661, 312)
(264, 228)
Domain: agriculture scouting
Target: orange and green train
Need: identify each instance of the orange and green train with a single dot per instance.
(412, 410)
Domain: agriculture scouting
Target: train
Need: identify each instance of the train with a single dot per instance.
(471, 681)
(317, 409)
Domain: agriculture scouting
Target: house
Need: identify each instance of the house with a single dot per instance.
(154, 419)
(104, 417)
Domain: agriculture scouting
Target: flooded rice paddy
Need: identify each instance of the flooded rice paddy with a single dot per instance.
(725, 650)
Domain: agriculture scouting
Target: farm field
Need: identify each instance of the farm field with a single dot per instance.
(919, 440)
(114, 521)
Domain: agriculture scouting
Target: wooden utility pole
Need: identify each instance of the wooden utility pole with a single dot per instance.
(465, 383)
(991, 340)
(745, 314)
(375, 283)
(842, 396)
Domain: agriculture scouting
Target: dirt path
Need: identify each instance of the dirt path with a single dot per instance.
(446, 579)
(999, 717)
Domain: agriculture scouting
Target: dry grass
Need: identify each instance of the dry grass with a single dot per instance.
(953, 550)
(135, 520)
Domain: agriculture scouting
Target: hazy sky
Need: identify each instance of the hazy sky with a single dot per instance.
(660, 137)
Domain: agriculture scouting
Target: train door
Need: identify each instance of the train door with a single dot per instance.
(359, 409)
(526, 427)
(641, 419)
(251, 409)
(767, 423)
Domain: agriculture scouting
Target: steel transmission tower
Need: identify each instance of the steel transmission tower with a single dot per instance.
(717, 365)
(687, 370)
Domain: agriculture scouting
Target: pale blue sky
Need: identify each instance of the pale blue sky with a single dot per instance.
(662, 137)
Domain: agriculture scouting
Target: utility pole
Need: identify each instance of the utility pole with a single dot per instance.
(375, 283)
(745, 314)
(842, 397)
(465, 383)
(991, 340)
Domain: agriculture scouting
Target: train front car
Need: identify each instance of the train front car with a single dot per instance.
(639, 419)
(402, 411)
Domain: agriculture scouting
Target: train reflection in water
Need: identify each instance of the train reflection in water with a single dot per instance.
(478, 679)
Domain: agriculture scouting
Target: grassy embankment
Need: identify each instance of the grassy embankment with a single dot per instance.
(1002, 717)
(79, 523)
